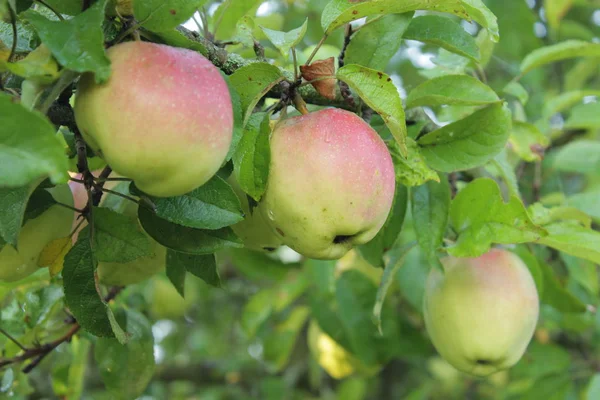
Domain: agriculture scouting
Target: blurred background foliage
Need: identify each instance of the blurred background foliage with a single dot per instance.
(285, 328)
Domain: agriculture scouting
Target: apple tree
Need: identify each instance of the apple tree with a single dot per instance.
(342, 199)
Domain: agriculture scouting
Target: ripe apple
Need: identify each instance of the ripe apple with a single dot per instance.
(481, 313)
(254, 230)
(331, 183)
(54, 223)
(163, 119)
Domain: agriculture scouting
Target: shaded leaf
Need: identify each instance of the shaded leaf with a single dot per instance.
(164, 15)
(430, 204)
(284, 41)
(77, 43)
(558, 52)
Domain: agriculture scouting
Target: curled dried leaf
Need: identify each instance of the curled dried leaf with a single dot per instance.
(317, 74)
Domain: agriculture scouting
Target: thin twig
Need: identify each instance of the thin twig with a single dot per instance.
(317, 47)
(13, 21)
(296, 75)
(121, 195)
(12, 339)
(49, 7)
(69, 207)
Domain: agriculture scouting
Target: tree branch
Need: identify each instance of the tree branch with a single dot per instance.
(39, 352)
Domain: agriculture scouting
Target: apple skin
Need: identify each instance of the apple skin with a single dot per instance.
(52, 224)
(331, 183)
(482, 312)
(254, 230)
(163, 119)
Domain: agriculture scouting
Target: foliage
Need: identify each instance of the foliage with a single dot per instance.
(489, 110)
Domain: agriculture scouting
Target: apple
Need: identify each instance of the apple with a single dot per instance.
(331, 183)
(481, 312)
(163, 119)
(35, 234)
(165, 302)
(254, 230)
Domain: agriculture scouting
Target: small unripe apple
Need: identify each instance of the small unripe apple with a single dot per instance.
(481, 312)
(331, 183)
(163, 119)
(53, 223)
(254, 230)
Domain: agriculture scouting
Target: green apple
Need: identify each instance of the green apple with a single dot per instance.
(35, 234)
(165, 302)
(331, 183)
(254, 230)
(163, 119)
(481, 312)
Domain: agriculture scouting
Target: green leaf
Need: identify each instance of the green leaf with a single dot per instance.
(430, 204)
(505, 170)
(461, 90)
(177, 39)
(469, 142)
(39, 66)
(252, 82)
(30, 149)
(202, 266)
(164, 15)
(238, 118)
(378, 91)
(412, 170)
(39, 303)
(396, 260)
(574, 239)
(256, 312)
(253, 156)
(375, 43)
(229, 13)
(543, 360)
(213, 205)
(584, 116)
(478, 11)
(582, 156)
(443, 32)
(77, 43)
(284, 41)
(517, 90)
(176, 271)
(583, 272)
(81, 296)
(13, 202)
(593, 388)
(480, 217)
(587, 202)
(127, 369)
(527, 141)
(68, 7)
(525, 254)
(185, 239)
(558, 52)
(259, 266)
(340, 12)
(118, 237)
(280, 342)
(557, 296)
(556, 10)
(374, 250)
(566, 100)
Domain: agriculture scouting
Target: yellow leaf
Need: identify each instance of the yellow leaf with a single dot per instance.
(53, 255)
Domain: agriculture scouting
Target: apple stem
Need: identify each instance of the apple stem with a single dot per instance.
(300, 104)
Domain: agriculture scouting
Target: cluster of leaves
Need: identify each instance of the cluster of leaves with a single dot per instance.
(510, 158)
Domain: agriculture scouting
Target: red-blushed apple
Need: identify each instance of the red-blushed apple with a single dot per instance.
(163, 119)
(481, 312)
(331, 183)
